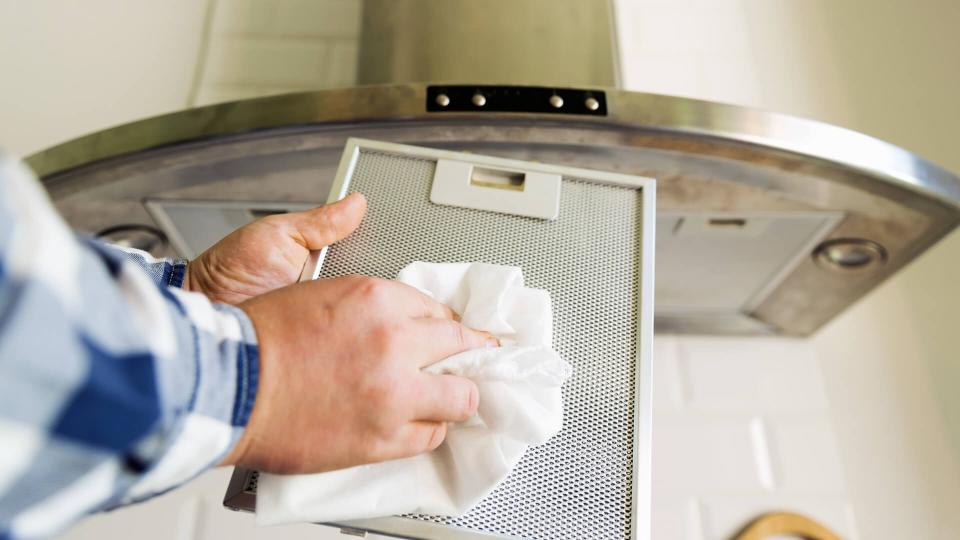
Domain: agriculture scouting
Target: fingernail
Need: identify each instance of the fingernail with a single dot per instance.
(492, 342)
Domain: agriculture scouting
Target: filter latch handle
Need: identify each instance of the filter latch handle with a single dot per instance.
(523, 193)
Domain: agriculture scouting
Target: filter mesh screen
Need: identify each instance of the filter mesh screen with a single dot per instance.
(579, 485)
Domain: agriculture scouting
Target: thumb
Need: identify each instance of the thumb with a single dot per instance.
(325, 225)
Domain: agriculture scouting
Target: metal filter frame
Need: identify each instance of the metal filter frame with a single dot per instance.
(587, 189)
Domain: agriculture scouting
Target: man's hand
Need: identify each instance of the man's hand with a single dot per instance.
(270, 252)
(340, 381)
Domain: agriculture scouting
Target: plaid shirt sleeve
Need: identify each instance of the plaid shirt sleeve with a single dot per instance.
(112, 388)
(163, 272)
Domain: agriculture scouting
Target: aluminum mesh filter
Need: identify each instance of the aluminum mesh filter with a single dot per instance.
(580, 484)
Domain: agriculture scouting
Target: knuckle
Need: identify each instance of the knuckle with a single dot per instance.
(373, 290)
(385, 427)
(354, 280)
(376, 394)
(350, 284)
(384, 394)
(385, 338)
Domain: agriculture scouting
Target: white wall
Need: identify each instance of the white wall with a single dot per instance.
(742, 427)
(69, 68)
(890, 366)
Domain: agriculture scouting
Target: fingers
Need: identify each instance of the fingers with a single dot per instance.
(441, 338)
(445, 398)
(325, 225)
(411, 439)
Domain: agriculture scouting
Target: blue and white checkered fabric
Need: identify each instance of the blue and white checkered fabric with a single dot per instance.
(115, 385)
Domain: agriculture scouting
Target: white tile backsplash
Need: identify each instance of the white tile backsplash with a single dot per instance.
(669, 394)
(807, 458)
(741, 426)
(677, 517)
(699, 454)
(751, 375)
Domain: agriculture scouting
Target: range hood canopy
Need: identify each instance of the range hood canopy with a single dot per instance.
(766, 223)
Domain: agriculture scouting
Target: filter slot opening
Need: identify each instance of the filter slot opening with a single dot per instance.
(491, 178)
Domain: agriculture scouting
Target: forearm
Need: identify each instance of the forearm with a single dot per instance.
(111, 388)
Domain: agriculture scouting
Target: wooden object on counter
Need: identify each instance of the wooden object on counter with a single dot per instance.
(785, 523)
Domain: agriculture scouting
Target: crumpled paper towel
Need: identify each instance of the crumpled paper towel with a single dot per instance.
(520, 405)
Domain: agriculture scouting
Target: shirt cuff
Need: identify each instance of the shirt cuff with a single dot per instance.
(178, 272)
(210, 419)
(248, 367)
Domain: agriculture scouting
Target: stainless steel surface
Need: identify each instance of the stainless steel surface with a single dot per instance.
(193, 226)
(545, 42)
(707, 157)
(748, 254)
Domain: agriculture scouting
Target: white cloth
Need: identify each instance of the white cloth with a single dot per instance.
(520, 405)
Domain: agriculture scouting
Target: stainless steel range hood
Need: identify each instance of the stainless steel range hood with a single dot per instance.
(766, 223)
